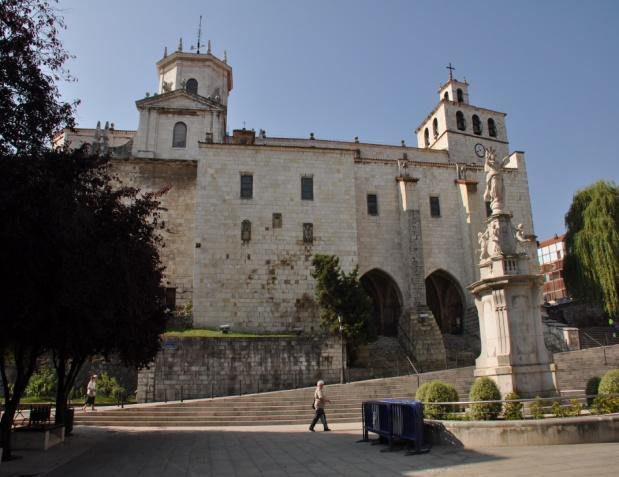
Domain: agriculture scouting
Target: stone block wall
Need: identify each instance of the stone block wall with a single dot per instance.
(194, 367)
(574, 368)
(177, 219)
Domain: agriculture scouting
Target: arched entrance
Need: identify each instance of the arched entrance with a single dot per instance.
(387, 300)
(444, 297)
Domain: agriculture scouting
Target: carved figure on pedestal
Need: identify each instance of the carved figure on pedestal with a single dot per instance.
(495, 189)
(495, 236)
(402, 168)
(482, 238)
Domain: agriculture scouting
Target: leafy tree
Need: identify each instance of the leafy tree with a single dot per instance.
(85, 271)
(591, 267)
(341, 294)
(31, 62)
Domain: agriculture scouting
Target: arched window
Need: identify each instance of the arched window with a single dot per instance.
(460, 121)
(491, 127)
(191, 86)
(476, 124)
(460, 96)
(426, 137)
(435, 128)
(446, 95)
(245, 231)
(179, 135)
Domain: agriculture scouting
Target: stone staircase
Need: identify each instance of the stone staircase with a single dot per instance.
(280, 407)
(594, 336)
(461, 350)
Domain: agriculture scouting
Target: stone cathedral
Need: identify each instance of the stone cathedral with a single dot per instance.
(245, 213)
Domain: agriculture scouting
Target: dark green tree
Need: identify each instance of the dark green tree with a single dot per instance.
(341, 294)
(31, 63)
(591, 264)
(82, 254)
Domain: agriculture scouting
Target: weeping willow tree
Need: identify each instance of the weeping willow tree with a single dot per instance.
(591, 265)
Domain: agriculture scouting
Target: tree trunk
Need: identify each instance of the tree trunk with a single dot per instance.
(66, 380)
(25, 363)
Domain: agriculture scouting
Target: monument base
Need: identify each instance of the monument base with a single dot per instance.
(528, 381)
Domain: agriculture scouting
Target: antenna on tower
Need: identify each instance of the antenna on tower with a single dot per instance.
(199, 44)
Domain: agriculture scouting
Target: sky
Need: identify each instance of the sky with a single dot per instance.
(343, 68)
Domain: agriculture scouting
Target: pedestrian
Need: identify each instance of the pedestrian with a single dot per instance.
(320, 399)
(91, 393)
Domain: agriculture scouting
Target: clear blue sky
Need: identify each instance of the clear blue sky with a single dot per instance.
(371, 69)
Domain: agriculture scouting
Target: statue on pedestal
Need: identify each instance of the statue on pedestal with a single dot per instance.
(495, 189)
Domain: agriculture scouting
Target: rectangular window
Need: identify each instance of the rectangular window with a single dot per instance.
(308, 233)
(277, 221)
(488, 209)
(372, 204)
(247, 186)
(307, 188)
(169, 298)
(435, 207)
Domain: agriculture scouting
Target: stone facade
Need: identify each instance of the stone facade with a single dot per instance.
(189, 368)
(430, 204)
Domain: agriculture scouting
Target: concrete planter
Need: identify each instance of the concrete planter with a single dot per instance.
(571, 430)
(37, 439)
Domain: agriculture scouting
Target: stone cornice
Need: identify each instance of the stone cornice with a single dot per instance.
(266, 147)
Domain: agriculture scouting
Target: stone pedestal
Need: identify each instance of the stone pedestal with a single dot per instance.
(507, 297)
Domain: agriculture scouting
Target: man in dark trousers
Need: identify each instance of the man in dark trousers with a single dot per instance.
(320, 399)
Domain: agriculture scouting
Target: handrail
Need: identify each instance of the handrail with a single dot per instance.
(495, 401)
(408, 351)
(591, 337)
(599, 344)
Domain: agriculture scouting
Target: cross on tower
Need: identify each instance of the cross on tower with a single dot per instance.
(451, 69)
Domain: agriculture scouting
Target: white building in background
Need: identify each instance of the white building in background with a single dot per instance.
(246, 212)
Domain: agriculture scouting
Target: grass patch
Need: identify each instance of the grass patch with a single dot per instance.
(99, 401)
(206, 333)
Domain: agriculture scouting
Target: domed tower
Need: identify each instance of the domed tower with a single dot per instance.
(190, 106)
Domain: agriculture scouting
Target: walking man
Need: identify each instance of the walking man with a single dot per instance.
(91, 393)
(320, 399)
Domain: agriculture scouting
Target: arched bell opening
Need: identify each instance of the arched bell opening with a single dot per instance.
(387, 301)
(446, 300)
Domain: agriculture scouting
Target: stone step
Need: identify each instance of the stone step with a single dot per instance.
(209, 423)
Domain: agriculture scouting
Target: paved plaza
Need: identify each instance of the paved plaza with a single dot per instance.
(292, 451)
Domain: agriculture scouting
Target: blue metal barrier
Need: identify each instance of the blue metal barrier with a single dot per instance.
(394, 419)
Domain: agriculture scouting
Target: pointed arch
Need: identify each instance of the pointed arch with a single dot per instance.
(387, 300)
(446, 299)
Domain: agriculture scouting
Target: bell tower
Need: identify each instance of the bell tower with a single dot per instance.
(463, 129)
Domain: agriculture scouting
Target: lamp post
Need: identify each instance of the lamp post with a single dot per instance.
(339, 319)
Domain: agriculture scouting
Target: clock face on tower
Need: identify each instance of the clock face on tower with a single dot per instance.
(480, 150)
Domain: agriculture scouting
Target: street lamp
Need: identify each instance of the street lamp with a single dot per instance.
(339, 319)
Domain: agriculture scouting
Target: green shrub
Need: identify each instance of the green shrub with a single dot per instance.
(557, 410)
(592, 389)
(106, 385)
(485, 389)
(605, 403)
(42, 384)
(438, 391)
(574, 409)
(512, 411)
(422, 390)
(537, 408)
(609, 384)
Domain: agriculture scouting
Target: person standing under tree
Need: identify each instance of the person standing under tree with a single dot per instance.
(91, 393)
(320, 399)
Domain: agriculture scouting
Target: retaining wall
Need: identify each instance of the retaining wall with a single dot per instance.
(188, 368)
(573, 430)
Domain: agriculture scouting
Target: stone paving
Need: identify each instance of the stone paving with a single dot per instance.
(292, 451)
